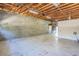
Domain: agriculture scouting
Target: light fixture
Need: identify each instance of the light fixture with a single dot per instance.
(34, 11)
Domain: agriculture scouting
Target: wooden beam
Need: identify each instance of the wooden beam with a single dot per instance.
(44, 6)
(37, 5)
(24, 8)
(54, 8)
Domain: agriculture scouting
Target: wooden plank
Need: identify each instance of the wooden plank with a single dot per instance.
(44, 6)
(37, 5)
(54, 8)
(72, 8)
(24, 8)
(47, 8)
(68, 6)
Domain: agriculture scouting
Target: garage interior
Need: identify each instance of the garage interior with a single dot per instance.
(39, 29)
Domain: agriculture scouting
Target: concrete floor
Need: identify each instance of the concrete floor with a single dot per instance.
(42, 45)
(27, 36)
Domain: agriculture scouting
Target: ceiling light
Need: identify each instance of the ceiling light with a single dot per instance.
(34, 11)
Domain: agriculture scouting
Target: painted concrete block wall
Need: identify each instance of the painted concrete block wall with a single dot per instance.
(25, 26)
(66, 29)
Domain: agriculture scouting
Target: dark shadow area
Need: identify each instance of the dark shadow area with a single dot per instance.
(2, 37)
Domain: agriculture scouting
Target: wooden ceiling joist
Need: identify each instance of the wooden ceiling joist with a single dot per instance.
(44, 9)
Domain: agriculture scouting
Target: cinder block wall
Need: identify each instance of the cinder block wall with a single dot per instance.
(25, 26)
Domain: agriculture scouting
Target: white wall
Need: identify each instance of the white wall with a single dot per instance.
(66, 29)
